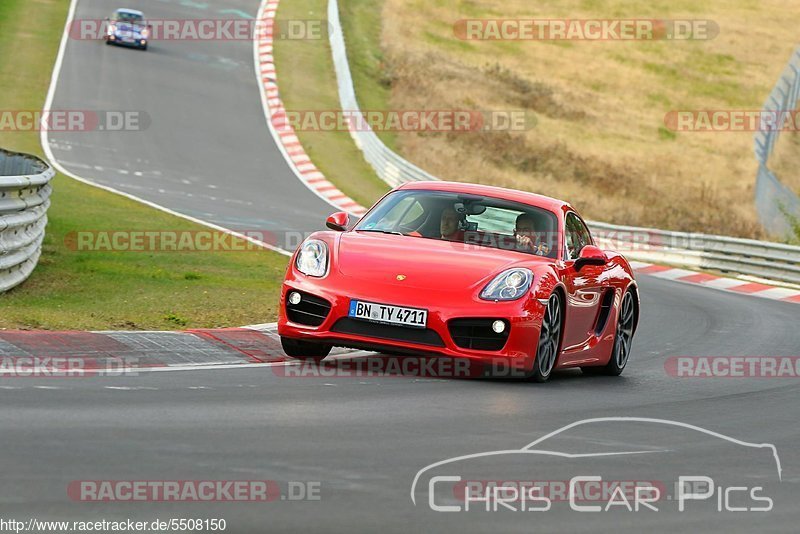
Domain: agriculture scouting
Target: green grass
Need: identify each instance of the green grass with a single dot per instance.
(307, 81)
(119, 290)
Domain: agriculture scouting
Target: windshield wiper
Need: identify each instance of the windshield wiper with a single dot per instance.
(382, 231)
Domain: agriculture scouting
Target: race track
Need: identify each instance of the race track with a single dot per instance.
(206, 151)
(208, 154)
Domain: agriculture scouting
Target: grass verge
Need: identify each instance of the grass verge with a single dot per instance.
(113, 290)
(601, 140)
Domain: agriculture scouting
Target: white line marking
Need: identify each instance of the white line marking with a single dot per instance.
(211, 367)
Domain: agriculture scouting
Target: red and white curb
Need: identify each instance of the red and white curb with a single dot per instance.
(733, 285)
(31, 353)
(283, 132)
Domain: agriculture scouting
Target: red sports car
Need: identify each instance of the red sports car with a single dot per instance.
(464, 271)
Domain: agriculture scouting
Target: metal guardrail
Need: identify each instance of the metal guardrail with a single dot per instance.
(24, 198)
(773, 199)
(701, 251)
(391, 167)
(773, 261)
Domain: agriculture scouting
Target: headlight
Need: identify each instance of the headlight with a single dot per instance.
(508, 285)
(111, 28)
(312, 258)
(144, 33)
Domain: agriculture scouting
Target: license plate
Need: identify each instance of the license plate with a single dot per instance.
(387, 314)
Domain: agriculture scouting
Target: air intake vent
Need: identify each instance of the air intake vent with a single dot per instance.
(310, 311)
(423, 336)
(478, 334)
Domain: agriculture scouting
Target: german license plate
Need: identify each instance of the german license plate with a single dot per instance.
(387, 314)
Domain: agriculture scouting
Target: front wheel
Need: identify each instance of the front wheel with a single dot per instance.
(305, 350)
(549, 341)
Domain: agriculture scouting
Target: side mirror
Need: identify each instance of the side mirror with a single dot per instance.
(338, 221)
(590, 255)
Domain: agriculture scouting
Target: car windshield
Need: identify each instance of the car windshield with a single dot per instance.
(471, 219)
(124, 16)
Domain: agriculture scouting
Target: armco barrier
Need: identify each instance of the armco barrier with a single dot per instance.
(24, 199)
(772, 261)
(392, 168)
(756, 258)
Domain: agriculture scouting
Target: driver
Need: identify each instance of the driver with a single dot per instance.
(525, 235)
(448, 225)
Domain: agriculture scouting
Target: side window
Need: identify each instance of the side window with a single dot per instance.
(577, 236)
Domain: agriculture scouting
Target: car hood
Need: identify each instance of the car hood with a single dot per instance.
(426, 263)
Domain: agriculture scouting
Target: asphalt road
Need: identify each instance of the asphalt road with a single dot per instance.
(203, 147)
(362, 439)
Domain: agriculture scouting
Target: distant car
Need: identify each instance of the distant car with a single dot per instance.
(466, 271)
(127, 27)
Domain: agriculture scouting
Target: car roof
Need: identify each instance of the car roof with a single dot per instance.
(514, 195)
(131, 11)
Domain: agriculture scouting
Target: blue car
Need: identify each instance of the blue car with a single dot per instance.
(127, 27)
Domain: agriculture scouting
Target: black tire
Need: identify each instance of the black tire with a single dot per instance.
(548, 347)
(621, 351)
(305, 350)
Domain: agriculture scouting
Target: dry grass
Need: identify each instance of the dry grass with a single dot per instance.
(600, 139)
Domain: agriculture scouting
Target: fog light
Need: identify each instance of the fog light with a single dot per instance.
(294, 298)
(498, 327)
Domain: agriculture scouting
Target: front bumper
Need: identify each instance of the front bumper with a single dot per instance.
(137, 42)
(523, 318)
